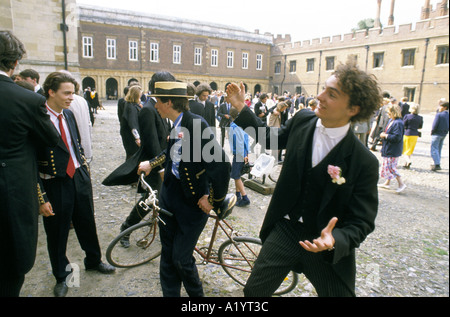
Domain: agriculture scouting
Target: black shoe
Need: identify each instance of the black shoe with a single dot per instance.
(243, 202)
(435, 168)
(103, 268)
(125, 241)
(60, 289)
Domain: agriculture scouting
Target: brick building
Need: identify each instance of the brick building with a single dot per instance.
(408, 60)
(116, 46)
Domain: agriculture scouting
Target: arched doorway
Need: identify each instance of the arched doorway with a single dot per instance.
(88, 82)
(257, 89)
(213, 85)
(111, 89)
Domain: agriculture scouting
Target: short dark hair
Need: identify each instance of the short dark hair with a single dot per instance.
(362, 88)
(179, 104)
(11, 50)
(157, 77)
(55, 79)
(30, 73)
(445, 105)
(203, 87)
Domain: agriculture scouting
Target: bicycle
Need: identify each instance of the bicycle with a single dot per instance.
(236, 255)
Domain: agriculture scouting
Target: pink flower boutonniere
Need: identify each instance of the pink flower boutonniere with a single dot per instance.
(180, 135)
(335, 173)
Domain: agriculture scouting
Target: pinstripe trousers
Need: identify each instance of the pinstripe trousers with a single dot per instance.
(282, 253)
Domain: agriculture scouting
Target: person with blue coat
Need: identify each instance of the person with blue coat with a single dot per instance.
(392, 148)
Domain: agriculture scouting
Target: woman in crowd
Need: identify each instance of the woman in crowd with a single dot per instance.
(392, 147)
(412, 122)
(130, 132)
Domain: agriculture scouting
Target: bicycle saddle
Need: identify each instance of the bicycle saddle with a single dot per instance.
(226, 207)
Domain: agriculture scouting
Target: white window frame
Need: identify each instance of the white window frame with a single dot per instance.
(111, 52)
(245, 60)
(259, 61)
(214, 57)
(133, 50)
(154, 52)
(88, 47)
(198, 56)
(176, 59)
(230, 59)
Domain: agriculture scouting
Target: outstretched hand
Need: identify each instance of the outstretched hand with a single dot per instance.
(324, 242)
(236, 95)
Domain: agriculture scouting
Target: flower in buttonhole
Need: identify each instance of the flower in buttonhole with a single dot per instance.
(335, 173)
(180, 135)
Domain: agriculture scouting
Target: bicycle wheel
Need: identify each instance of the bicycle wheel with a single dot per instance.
(144, 246)
(237, 258)
(275, 173)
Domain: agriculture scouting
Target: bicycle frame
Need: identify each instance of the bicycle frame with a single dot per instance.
(152, 202)
(207, 258)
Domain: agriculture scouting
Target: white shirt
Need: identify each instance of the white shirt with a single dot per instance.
(80, 109)
(325, 139)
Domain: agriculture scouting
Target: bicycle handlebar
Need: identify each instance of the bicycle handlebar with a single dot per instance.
(152, 199)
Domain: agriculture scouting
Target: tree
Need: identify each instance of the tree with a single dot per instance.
(365, 24)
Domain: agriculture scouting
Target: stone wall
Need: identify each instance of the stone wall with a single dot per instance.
(429, 79)
(37, 23)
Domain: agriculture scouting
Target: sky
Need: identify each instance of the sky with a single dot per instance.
(302, 19)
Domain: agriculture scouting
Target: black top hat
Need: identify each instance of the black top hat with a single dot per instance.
(170, 89)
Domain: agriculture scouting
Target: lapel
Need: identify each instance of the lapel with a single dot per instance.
(340, 159)
(73, 130)
(306, 135)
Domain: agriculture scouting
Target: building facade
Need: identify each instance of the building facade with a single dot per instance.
(49, 31)
(116, 46)
(105, 48)
(408, 61)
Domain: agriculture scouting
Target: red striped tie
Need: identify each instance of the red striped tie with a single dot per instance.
(71, 166)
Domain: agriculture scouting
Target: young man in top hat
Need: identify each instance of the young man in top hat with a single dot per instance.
(65, 186)
(316, 232)
(193, 185)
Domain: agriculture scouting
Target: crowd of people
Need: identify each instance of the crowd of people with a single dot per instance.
(322, 142)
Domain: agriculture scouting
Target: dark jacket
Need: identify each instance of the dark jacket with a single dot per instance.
(210, 113)
(259, 109)
(154, 132)
(393, 145)
(197, 108)
(53, 160)
(24, 126)
(412, 123)
(128, 124)
(204, 168)
(354, 203)
(440, 124)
